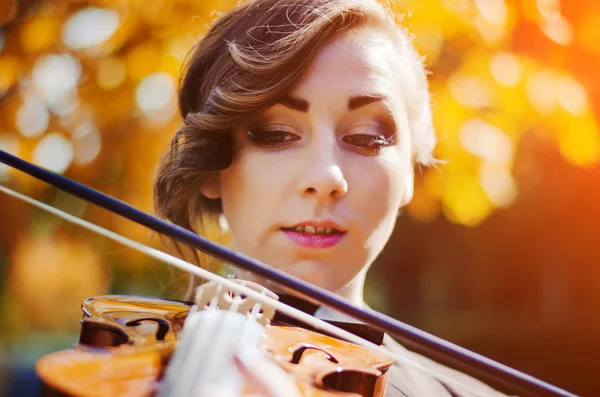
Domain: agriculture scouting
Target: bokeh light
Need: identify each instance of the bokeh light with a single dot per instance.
(506, 69)
(54, 152)
(154, 97)
(90, 27)
(487, 142)
(56, 76)
(32, 118)
(87, 143)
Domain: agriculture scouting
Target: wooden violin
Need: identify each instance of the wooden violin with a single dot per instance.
(126, 344)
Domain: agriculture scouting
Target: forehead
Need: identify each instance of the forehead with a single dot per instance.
(356, 62)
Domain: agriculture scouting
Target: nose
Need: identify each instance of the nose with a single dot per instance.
(323, 176)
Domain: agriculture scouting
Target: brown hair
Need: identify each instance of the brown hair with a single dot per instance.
(251, 56)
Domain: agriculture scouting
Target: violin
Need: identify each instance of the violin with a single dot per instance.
(437, 349)
(128, 343)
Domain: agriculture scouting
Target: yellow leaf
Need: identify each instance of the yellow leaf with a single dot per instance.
(55, 272)
(464, 201)
(9, 71)
(39, 33)
(579, 140)
(424, 207)
(142, 60)
(111, 73)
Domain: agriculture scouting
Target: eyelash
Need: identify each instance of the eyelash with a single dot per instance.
(368, 143)
(270, 138)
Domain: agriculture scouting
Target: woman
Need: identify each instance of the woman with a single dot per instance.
(304, 120)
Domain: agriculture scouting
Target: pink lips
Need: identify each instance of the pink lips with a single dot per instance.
(313, 240)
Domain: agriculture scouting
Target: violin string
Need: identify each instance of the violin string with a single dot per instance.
(240, 289)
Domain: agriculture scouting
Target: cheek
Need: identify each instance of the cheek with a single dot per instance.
(380, 186)
(236, 188)
(250, 187)
(379, 192)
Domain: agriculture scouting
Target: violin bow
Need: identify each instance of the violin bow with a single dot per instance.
(415, 339)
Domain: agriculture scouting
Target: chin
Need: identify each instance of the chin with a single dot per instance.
(312, 272)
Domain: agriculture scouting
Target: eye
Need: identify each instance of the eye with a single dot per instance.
(270, 137)
(369, 142)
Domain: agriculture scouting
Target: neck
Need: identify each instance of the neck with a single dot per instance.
(353, 291)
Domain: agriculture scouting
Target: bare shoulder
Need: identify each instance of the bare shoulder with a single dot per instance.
(440, 379)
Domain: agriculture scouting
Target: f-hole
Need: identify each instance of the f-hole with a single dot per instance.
(297, 356)
(163, 326)
(352, 381)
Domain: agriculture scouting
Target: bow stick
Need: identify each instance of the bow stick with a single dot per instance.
(417, 340)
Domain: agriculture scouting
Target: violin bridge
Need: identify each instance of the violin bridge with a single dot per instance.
(216, 296)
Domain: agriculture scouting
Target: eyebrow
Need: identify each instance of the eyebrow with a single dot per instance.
(302, 105)
(363, 100)
(294, 103)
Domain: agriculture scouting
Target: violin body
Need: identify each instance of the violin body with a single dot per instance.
(126, 344)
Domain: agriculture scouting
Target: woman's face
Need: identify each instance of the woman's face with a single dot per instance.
(317, 180)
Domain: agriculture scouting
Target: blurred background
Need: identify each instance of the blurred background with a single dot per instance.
(498, 252)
